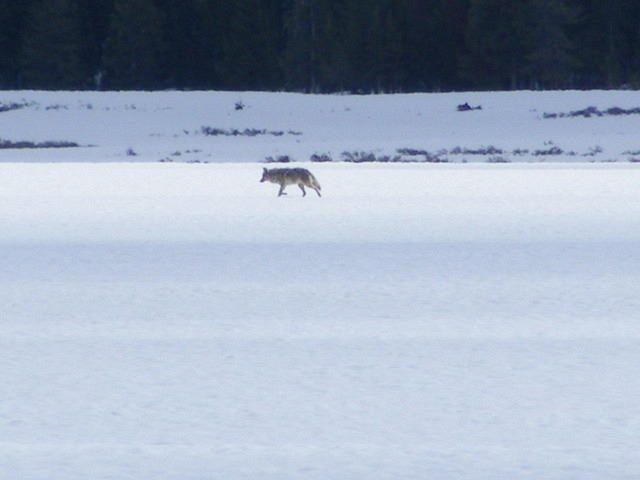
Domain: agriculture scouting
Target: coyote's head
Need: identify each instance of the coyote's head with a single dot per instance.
(265, 175)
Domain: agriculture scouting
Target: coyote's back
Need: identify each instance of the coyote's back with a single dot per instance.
(291, 176)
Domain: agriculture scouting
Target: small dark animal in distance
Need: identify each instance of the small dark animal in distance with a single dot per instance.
(465, 107)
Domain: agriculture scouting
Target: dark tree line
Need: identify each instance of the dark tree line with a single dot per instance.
(319, 45)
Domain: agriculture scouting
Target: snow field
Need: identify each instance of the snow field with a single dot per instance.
(167, 126)
(418, 321)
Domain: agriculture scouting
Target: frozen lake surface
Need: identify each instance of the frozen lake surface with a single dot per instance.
(175, 321)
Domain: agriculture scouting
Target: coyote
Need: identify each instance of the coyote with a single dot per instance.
(290, 176)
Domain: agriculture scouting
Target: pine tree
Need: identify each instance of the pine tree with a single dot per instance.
(189, 34)
(133, 56)
(206, 50)
(496, 43)
(387, 71)
(550, 59)
(320, 45)
(331, 64)
(429, 52)
(419, 33)
(249, 46)
(362, 17)
(51, 48)
(12, 22)
(94, 19)
(301, 25)
(608, 41)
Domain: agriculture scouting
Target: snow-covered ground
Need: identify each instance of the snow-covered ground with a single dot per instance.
(168, 126)
(171, 320)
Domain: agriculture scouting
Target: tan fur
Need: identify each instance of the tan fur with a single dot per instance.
(291, 176)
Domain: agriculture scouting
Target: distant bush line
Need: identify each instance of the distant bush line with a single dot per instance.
(594, 112)
(247, 132)
(8, 144)
(489, 154)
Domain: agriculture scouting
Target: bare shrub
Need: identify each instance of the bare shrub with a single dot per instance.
(550, 150)
(7, 107)
(362, 157)
(498, 159)
(594, 112)
(488, 150)
(427, 156)
(278, 159)
(321, 157)
(247, 132)
(8, 144)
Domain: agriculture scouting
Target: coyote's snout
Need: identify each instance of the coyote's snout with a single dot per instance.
(291, 176)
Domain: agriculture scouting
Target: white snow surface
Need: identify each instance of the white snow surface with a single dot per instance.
(168, 126)
(178, 321)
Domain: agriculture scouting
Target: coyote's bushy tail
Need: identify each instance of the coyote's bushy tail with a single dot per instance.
(314, 181)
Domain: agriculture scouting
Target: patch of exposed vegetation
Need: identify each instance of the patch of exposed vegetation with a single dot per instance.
(420, 155)
(488, 150)
(362, 157)
(7, 107)
(278, 159)
(498, 159)
(321, 157)
(594, 112)
(247, 132)
(552, 150)
(489, 154)
(9, 144)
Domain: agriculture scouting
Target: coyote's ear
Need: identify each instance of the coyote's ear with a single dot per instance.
(264, 169)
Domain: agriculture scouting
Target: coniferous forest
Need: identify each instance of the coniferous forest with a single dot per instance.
(359, 46)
